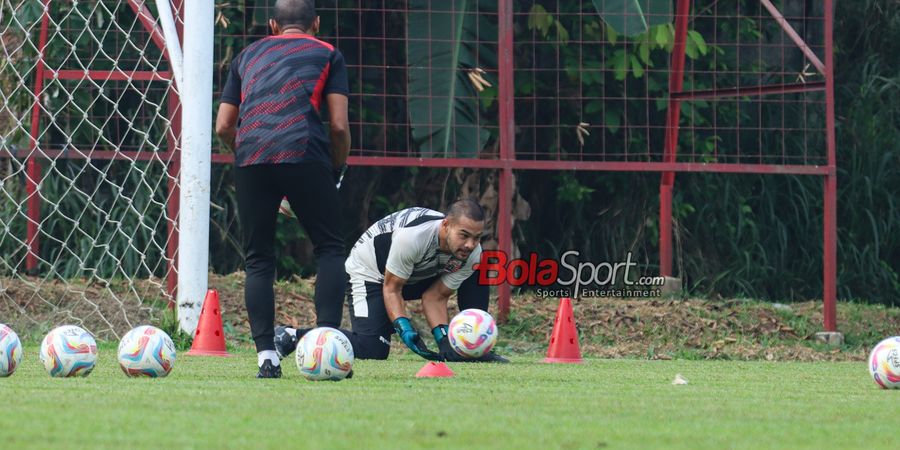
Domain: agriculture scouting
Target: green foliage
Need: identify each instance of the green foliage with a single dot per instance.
(539, 19)
(570, 190)
(867, 98)
(633, 17)
(599, 85)
(99, 219)
(169, 324)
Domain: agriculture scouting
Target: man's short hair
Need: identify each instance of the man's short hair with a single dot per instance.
(466, 208)
(300, 13)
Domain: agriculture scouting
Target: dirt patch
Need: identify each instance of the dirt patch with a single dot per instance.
(294, 304)
(613, 328)
(34, 306)
(701, 329)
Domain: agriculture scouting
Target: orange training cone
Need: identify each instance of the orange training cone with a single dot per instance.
(564, 340)
(209, 339)
(434, 370)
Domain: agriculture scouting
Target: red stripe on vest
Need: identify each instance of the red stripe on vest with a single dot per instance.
(316, 99)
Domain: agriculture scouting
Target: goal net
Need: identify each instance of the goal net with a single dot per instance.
(88, 164)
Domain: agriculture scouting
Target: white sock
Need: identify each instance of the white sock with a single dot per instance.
(262, 356)
(291, 331)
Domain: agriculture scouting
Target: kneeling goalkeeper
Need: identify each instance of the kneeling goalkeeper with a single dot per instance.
(416, 253)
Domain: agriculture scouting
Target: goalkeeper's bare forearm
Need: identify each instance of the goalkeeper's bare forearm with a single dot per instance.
(434, 303)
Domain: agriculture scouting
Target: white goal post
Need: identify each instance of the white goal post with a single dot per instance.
(196, 140)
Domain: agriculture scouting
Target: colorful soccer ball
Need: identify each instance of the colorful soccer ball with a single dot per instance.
(884, 363)
(69, 351)
(324, 354)
(472, 333)
(146, 351)
(10, 351)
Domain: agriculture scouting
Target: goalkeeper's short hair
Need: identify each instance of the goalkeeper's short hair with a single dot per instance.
(466, 208)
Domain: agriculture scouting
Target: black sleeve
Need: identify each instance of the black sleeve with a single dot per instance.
(231, 93)
(337, 75)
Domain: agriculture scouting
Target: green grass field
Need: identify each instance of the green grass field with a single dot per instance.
(210, 402)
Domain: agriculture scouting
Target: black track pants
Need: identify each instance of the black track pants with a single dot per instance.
(314, 199)
(372, 329)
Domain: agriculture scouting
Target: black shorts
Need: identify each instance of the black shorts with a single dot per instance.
(368, 315)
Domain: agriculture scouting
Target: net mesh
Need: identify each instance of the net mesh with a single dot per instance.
(589, 91)
(87, 164)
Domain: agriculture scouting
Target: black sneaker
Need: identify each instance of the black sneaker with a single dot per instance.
(491, 357)
(450, 355)
(285, 343)
(269, 370)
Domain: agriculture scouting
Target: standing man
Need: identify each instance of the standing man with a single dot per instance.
(270, 115)
(413, 254)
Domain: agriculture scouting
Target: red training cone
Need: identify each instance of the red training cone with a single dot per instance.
(209, 339)
(434, 370)
(564, 340)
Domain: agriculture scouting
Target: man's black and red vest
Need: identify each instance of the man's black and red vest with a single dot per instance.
(279, 84)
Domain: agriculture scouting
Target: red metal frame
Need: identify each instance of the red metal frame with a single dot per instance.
(676, 82)
(750, 91)
(830, 226)
(588, 166)
(114, 75)
(34, 167)
(100, 155)
(173, 169)
(507, 143)
(488, 164)
(506, 161)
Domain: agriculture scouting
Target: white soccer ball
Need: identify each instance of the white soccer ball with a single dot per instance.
(472, 333)
(146, 351)
(324, 353)
(884, 363)
(10, 351)
(69, 351)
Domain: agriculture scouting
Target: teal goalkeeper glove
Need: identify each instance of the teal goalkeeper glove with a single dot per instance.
(443, 342)
(411, 338)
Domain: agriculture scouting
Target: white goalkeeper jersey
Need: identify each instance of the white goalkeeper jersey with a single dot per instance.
(406, 244)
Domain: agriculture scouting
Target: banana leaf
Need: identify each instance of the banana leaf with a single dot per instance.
(445, 40)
